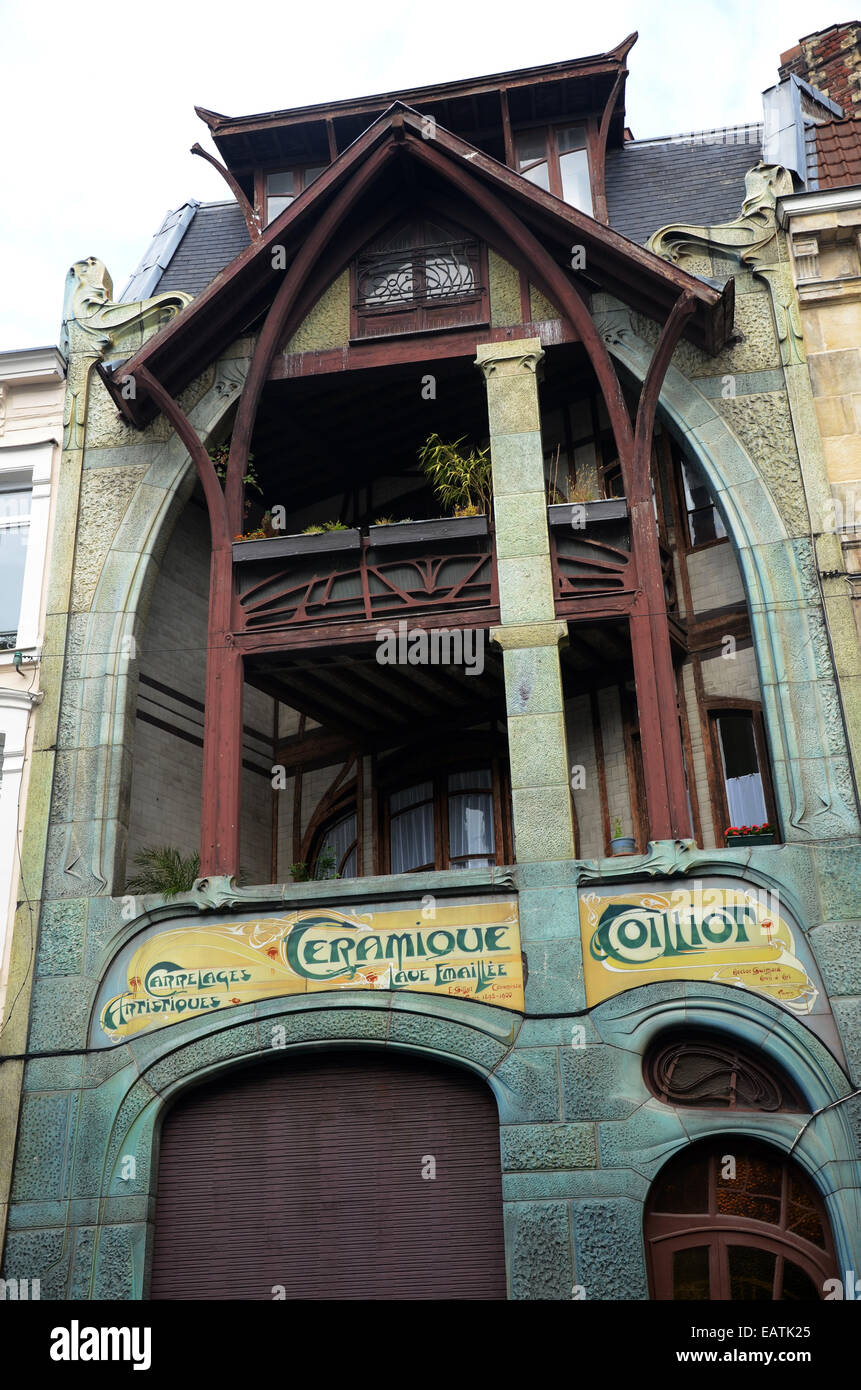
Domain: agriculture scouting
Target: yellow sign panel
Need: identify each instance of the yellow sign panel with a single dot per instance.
(725, 936)
(472, 952)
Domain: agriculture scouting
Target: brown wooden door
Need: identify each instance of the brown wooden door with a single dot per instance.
(751, 1230)
(307, 1177)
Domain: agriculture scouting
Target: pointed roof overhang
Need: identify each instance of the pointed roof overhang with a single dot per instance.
(237, 298)
(292, 134)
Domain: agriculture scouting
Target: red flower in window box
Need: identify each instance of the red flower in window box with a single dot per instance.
(737, 832)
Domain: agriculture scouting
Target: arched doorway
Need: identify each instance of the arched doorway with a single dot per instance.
(352, 1175)
(733, 1219)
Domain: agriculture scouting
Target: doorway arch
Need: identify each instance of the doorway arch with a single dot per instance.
(339, 1175)
(731, 1219)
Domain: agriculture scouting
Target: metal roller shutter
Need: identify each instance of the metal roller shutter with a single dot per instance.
(309, 1175)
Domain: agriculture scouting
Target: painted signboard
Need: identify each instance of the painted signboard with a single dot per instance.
(726, 935)
(163, 976)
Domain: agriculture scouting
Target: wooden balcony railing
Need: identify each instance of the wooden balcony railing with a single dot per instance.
(351, 583)
(590, 551)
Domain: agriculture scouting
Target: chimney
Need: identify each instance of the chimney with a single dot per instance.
(831, 61)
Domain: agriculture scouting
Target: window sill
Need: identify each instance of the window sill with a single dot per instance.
(363, 339)
(706, 545)
(30, 656)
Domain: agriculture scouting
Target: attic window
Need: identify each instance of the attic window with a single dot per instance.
(282, 188)
(419, 276)
(557, 160)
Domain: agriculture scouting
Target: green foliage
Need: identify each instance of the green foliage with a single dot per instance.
(299, 872)
(617, 828)
(219, 458)
(163, 870)
(325, 866)
(463, 483)
(320, 526)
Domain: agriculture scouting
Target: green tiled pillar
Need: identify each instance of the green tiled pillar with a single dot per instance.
(529, 634)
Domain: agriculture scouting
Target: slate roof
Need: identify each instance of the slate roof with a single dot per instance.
(698, 180)
(649, 183)
(216, 234)
(145, 279)
(838, 152)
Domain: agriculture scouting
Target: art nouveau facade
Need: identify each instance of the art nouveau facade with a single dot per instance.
(532, 1041)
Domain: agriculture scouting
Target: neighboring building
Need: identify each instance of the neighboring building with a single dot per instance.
(31, 427)
(506, 1051)
(822, 218)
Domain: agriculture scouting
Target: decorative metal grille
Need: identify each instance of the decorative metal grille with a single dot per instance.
(709, 1074)
(416, 275)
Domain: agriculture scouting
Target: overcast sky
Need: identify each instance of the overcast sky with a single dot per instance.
(97, 102)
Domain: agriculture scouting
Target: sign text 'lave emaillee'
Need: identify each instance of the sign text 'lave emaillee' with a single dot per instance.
(471, 952)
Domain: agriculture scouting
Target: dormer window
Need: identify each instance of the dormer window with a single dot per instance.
(556, 159)
(284, 187)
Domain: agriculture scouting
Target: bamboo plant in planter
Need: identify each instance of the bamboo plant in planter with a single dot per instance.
(462, 482)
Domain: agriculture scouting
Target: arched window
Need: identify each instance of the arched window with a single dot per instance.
(708, 1070)
(336, 848)
(732, 1219)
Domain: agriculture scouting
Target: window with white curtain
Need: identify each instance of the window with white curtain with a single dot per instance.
(337, 849)
(14, 537)
(742, 773)
(411, 822)
(462, 836)
(470, 820)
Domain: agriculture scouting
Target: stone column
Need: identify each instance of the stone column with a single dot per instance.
(529, 634)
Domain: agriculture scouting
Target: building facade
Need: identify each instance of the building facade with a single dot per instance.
(31, 426)
(440, 564)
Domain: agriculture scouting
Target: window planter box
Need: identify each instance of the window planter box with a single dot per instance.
(446, 528)
(283, 547)
(731, 840)
(608, 509)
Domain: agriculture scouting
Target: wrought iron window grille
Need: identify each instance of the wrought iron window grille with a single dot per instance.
(442, 273)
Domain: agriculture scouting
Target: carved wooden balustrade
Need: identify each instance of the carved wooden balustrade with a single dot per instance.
(590, 550)
(345, 585)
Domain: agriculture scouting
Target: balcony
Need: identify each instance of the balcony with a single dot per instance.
(345, 583)
(590, 552)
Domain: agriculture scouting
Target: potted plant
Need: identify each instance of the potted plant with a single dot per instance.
(163, 869)
(749, 835)
(619, 843)
(463, 482)
(319, 538)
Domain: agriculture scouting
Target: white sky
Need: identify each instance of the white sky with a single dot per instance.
(98, 118)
